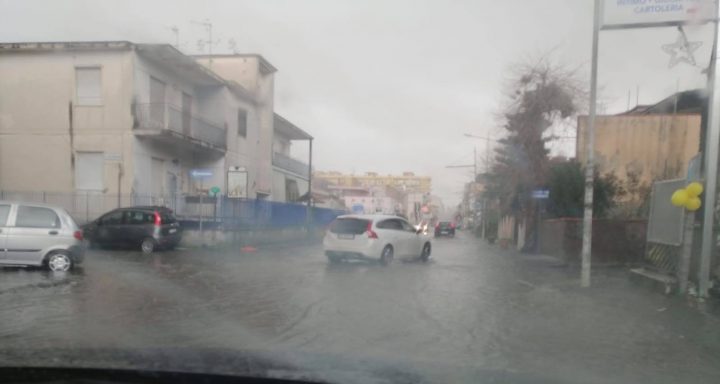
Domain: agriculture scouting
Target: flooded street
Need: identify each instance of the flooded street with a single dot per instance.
(472, 305)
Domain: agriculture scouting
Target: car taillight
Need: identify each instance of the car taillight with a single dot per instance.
(78, 235)
(452, 225)
(370, 232)
(158, 220)
(437, 226)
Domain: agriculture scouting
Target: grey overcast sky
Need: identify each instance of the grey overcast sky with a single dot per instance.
(385, 85)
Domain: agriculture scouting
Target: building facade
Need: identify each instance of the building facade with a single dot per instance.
(117, 120)
(642, 147)
(407, 182)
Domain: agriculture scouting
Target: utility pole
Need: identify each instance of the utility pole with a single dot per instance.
(487, 171)
(487, 155)
(474, 164)
(590, 164)
(712, 138)
(309, 210)
(487, 148)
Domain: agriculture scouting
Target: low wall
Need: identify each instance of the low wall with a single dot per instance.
(218, 237)
(614, 241)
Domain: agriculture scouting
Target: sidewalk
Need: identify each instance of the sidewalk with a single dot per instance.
(616, 283)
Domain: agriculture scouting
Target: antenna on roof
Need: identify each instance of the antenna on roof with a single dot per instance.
(209, 42)
(232, 45)
(176, 31)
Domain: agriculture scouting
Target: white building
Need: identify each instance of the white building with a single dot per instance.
(141, 123)
(367, 200)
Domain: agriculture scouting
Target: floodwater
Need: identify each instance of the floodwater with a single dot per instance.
(472, 306)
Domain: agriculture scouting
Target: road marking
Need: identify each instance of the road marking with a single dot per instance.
(527, 283)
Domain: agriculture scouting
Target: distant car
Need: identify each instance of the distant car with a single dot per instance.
(445, 228)
(149, 228)
(39, 235)
(375, 237)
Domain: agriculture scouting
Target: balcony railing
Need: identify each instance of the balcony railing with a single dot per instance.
(163, 117)
(290, 164)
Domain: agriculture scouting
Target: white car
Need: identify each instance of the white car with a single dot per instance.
(375, 237)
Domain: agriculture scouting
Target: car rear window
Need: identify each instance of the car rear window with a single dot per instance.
(349, 226)
(167, 217)
(444, 224)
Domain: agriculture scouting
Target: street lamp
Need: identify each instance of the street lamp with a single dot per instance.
(487, 147)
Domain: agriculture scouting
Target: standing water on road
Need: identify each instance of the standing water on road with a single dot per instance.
(359, 192)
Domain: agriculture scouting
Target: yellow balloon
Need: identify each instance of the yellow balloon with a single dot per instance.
(694, 189)
(679, 198)
(693, 204)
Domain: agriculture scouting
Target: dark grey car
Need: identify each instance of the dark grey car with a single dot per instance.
(148, 228)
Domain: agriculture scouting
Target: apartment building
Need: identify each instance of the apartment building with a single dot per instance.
(138, 120)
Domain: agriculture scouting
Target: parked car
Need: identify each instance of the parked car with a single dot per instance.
(375, 237)
(39, 235)
(148, 228)
(445, 228)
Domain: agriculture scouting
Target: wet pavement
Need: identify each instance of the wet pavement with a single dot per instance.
(473, 305)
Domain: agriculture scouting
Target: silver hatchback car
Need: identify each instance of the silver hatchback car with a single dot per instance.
(39, 235)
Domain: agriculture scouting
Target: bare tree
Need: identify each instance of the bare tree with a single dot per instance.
(540, 94)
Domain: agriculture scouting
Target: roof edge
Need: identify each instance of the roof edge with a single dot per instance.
(264, 63)
(64, 45)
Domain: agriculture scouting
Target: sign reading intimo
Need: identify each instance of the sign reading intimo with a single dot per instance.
(646, 13)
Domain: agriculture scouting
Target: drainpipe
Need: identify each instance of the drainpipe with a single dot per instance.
(119, 187)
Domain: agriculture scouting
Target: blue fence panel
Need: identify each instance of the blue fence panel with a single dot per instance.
(288, 215)
(254, 214)
(322, 217)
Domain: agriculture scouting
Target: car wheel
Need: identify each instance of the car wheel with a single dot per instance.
(59, 262)
(148, 245)
(387, 255)
(425, 255)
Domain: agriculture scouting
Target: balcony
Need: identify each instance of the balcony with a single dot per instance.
(171, 125)
(289, 164)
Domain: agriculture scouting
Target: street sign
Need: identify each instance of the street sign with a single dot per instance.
(214, 191)
(201, 173)
(541, 194)
(621, 14)
(237, 179)
(358, 209)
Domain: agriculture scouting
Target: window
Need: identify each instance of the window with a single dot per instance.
(167, 216)
(292, 193)
(407, 226)
(89, 171)
(157, 102)
(4, 212)
(37, 217)
(88, 84)
(390, 224)
(139, 217)
(112, 218)
(242, 123)
(349, 226)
